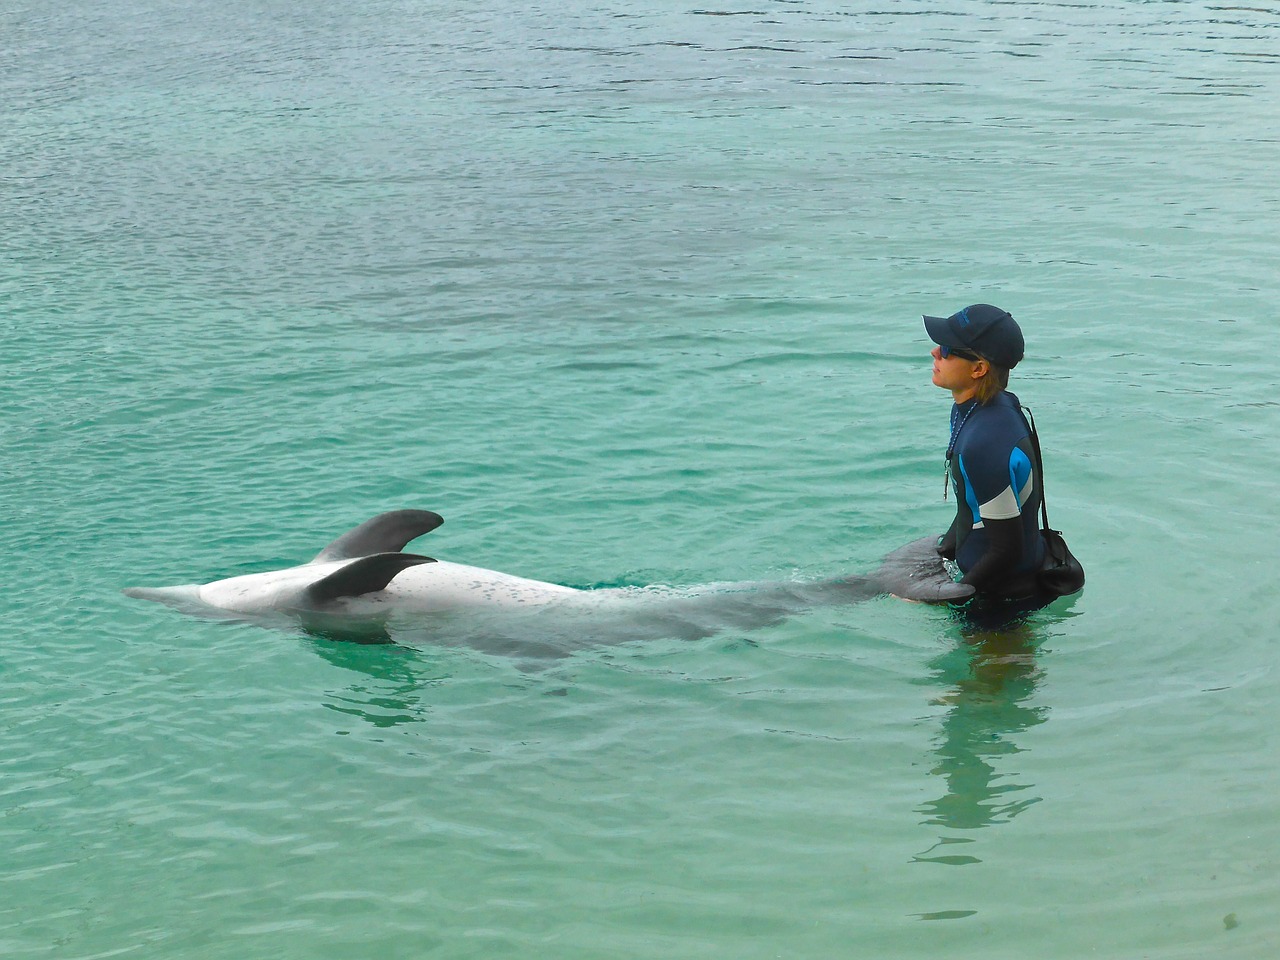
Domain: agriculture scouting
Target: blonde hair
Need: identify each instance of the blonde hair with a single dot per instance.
(995, 380)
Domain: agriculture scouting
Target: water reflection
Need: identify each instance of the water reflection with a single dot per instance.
(992, 676)
(394, 682)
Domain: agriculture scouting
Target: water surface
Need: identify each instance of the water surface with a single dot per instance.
(632, 296)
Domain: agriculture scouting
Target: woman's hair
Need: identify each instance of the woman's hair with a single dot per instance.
(997, 379)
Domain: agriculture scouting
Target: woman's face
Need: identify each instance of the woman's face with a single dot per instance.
(954, 373)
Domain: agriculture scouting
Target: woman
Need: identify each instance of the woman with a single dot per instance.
(991, 464)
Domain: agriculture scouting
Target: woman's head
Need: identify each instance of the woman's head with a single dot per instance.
(979, 346)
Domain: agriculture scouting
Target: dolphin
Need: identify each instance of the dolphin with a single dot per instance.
(363, 582)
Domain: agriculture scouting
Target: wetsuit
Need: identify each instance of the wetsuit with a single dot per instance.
(995, 537)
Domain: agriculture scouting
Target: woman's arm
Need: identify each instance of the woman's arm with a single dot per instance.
(1002, 557)
(947, 542)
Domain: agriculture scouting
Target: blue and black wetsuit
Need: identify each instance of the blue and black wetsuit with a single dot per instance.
(995, 537)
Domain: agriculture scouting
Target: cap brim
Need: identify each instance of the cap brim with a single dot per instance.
(939, 330)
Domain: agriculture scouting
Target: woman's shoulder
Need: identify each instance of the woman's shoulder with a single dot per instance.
(1004, 415)
(1008, 404)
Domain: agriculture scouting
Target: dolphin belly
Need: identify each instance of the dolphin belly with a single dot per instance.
(441, 586)
(276, 590)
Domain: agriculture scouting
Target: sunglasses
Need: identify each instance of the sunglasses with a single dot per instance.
(957, 352)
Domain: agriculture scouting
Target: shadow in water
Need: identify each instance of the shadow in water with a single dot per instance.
(393, 685)
(991, 678)
(397, 684)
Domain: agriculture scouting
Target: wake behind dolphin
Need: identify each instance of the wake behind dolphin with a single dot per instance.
(363, 586)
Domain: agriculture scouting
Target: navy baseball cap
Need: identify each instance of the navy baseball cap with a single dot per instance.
(981, 329)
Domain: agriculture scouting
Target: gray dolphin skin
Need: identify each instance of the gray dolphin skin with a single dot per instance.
(915, 572)
(362, 586)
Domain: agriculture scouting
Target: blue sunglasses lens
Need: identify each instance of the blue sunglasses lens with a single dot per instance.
(953, 351)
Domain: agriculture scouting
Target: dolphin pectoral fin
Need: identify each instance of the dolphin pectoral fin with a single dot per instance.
(365, 575)
(385, 533)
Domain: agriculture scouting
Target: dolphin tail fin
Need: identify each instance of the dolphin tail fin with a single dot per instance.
(385, 533)
(365, 575)
(915, 572)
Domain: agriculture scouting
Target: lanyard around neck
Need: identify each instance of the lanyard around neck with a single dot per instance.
(951, 446)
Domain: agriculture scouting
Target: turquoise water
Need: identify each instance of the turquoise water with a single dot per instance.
(632, 296)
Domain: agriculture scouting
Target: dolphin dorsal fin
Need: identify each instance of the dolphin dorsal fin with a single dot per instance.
(362, 576)
(385, 533)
